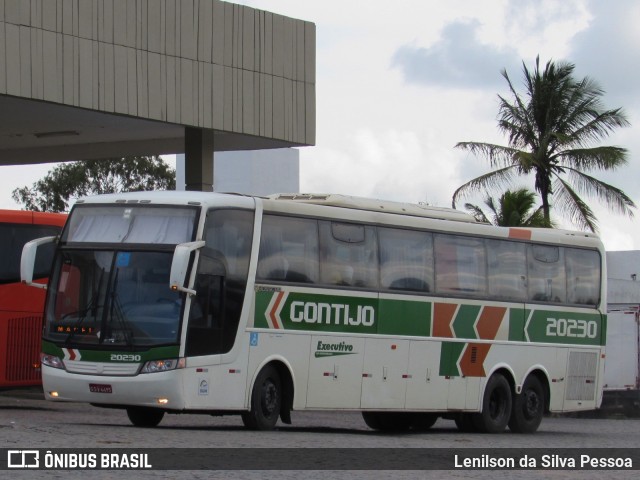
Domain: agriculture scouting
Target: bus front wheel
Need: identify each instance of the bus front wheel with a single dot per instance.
(422, 422)
(496, 406)
(266, 400)
(144, 416)
(528, 407)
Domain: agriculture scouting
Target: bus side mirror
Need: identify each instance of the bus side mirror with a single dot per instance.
(180, 265)
(28, 260)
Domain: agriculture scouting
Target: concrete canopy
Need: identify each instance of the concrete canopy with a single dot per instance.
(84, 79)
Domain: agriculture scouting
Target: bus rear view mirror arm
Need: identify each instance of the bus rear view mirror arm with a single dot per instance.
(28, 260)
(180, 265)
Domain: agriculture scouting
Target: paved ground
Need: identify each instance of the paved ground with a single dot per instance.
(27, 421)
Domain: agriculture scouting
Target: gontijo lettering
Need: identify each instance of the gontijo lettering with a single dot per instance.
(331, 314)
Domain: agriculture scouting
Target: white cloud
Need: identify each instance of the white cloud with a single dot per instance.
(18, 176)
(378, 135)
(393, 165)
(609, 50)
(458, 59)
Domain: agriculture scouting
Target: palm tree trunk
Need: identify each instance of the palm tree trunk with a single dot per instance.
(543, 186)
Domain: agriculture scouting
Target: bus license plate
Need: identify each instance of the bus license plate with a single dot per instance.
(100, 388)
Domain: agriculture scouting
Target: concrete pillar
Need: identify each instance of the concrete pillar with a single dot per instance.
(198, 166)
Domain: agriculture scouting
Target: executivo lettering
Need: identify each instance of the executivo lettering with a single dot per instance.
(333, 349)
(331, 314)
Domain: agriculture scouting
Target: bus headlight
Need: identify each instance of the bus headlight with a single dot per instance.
(51, 360)
(163, 365)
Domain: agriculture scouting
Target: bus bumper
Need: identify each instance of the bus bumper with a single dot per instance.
(160, 389)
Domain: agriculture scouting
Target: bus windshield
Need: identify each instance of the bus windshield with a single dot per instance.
(110, 281)
(112, 298)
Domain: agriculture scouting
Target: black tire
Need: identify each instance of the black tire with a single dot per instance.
(266, 400)
(372, 420)
(464, 422)
(145, 416)
(422, 422)
(388, 421)
(528, 407)
(496, 406)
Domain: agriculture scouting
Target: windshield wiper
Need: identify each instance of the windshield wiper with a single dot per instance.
(115, 311)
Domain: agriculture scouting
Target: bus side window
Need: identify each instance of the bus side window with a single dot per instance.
(583, 276)
(288, 249)
(206, 319)
(349, 255)
(507, 270)
(547, 279)
(221, 282)
(461, 267)
(406, 260)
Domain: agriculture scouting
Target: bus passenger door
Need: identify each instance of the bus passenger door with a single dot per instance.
(335, 372)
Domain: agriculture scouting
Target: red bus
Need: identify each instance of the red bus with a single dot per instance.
(21, 307)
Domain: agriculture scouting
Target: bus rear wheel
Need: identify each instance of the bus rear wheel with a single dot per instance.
(144, 416)
(528, 407)
(496, 406)
(266, 400)
(464, 422)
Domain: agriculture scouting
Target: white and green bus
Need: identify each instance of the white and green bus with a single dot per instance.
(190, 302)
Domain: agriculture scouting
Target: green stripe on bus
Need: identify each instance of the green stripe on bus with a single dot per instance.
(517, 318)
(401, 317)
(551, 326)
(153, 353)
(277, 309)
(449, 355)
(262, 300)
(465, 320)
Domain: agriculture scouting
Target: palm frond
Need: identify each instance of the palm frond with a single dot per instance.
(498, 155)
(570, 203)
(488, 181)
(596, 158)
(615, 199)
(476, 212)
(536, 219)
(595, 126)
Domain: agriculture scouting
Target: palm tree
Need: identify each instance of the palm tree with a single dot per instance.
(512, 210)
(552, 130)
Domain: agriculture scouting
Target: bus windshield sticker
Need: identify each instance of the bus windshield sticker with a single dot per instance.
(123, 259)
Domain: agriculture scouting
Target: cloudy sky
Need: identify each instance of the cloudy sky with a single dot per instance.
(400, 83)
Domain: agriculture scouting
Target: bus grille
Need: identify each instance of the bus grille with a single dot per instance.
(100, 368)
(23, 349)
(581, 381)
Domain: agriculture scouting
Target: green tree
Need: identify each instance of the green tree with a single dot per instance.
(91, 177)
(552, 134)
(513, 209)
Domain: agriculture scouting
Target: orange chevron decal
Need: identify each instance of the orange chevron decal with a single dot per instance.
(274, 314)
(442, 317)
(472, 359)
(489, 322)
